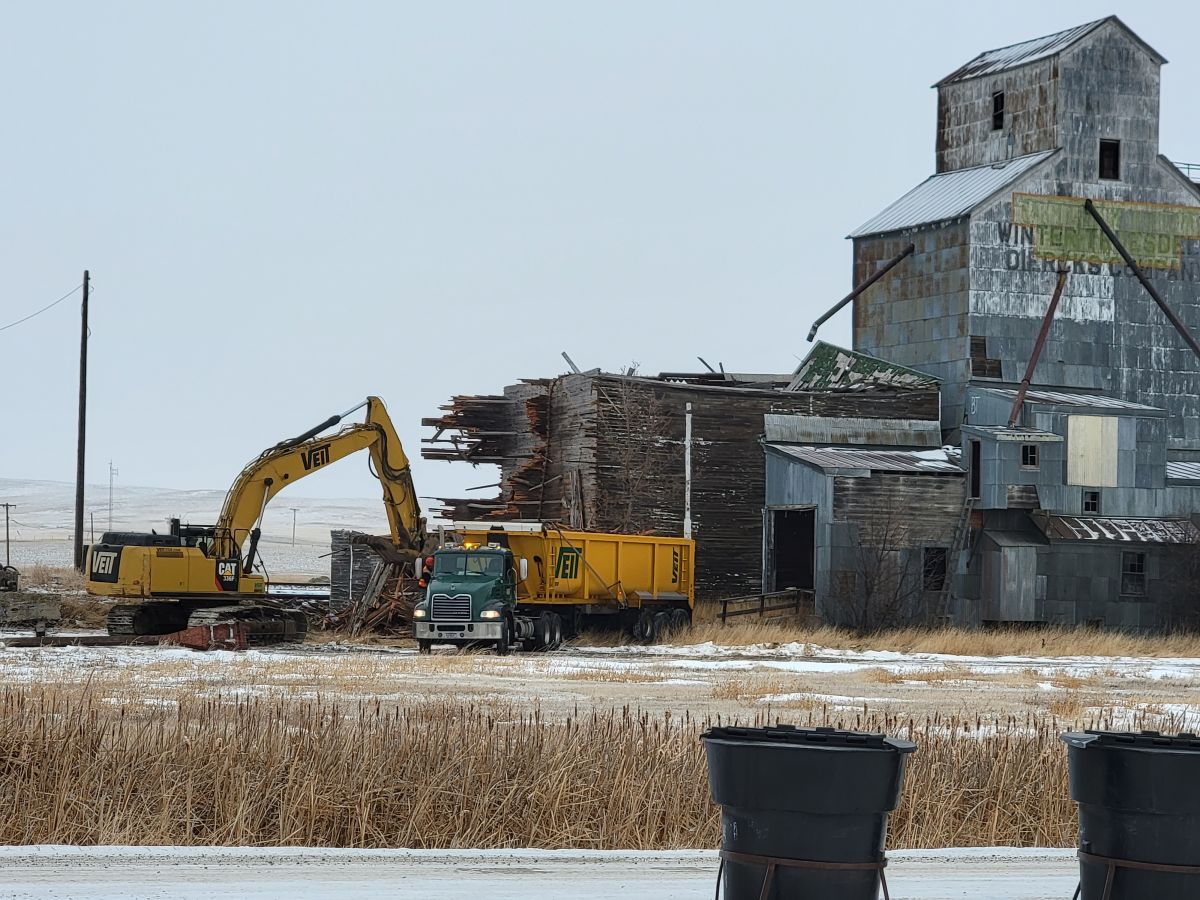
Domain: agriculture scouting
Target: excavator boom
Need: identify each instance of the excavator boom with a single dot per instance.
(291, 460)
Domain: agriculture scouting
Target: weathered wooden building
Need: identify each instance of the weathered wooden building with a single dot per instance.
(870, 531)
(1024, 135)
(606, 452)
(1082, 511)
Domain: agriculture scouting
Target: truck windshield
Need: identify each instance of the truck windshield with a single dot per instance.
(490, 564)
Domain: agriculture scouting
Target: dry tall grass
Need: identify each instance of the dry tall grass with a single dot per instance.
(77, 770)
(955, 641)
(67, 580)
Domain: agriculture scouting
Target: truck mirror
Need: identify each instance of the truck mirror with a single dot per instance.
(524, 570)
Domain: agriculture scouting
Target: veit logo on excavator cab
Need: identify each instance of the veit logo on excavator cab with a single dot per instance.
(315, 458)
(104, 562)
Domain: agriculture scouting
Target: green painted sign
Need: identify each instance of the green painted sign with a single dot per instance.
(1153, 234)
(567, 565)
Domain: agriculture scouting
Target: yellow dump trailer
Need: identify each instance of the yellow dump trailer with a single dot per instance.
(528, 584)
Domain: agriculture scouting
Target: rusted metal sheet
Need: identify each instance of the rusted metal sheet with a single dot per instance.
(220, 636)
(1103, 528)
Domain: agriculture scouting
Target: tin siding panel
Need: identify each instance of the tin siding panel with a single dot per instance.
(1092, 450)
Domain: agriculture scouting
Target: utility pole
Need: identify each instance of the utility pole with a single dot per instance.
(293, 509)
(7, 557)
(79, 473)
(112, 472)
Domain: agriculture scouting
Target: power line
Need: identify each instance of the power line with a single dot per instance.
(42, 310)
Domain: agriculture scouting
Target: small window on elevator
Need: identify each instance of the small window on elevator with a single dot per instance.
(1110, 160)
(998, 111)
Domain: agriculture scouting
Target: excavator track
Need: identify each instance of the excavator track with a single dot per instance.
(264, 625)
(146, 618)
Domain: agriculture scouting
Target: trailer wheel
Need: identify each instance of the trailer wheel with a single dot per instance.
(424, 646)
(680, 620)
(544, 635)
(556, 637)
(643, 628)
(652, 626)
(664, 625)
(503, 641)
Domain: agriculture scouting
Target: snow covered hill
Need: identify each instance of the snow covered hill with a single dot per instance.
(42, 520)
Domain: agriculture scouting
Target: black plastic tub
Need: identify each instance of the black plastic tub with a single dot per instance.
(805, 795)
(1139, 814)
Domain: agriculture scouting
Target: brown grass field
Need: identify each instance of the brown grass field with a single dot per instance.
(340, 745)
(74, 770)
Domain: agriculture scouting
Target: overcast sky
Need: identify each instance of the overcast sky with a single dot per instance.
(287, 206)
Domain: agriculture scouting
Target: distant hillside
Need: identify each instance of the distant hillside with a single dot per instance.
(43, 519)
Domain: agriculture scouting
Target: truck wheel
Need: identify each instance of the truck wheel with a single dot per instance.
(503, 641)
(556, 638)
(424, 646)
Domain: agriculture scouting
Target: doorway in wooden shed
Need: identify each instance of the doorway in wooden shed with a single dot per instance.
(793, 548)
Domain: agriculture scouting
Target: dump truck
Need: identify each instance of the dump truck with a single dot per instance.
(529, 585)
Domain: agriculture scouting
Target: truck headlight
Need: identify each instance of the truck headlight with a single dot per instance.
(419, 613)
(490, 614)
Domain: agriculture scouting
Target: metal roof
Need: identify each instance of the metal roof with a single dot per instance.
(1180, 470)
(1141, 531)
(924, 462)
(1003, 58)
(830, 367)
(1021, 435)
(1093, 401)
(827, 430)
(1014, 538)
(950, 195)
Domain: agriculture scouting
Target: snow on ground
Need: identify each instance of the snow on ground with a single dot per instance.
(142, 873)
(803, 657)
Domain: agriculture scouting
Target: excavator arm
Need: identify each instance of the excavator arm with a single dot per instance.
(291, 460)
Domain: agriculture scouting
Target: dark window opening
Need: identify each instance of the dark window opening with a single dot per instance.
(981, 365)
(1091, 502)
(998, 111)
(934, 568)
(1029, 456)
(1133, 573)
(1110, 160)
(976, 461)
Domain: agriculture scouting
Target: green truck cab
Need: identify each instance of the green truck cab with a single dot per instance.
(472, 599)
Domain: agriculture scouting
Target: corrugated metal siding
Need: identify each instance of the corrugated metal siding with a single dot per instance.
(926, 462)
(1002, 58)
(1092, 450)
(785, 429)
(951, 195)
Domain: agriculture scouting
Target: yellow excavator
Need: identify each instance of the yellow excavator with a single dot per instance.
(198, 574)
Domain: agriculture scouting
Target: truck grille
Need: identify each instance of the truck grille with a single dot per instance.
(444, 608)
